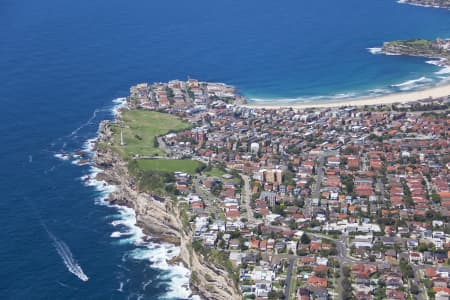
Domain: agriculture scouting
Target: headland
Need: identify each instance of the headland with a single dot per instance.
(428, 3)
(235, 185)
(149, 177)
(438, 49)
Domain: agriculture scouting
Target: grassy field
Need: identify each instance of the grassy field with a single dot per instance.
(140, 128)
(215, 172)
(169, 165)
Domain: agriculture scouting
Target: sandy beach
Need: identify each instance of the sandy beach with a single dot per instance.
(435, 92)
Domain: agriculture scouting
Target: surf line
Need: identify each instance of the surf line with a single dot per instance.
(62, 249)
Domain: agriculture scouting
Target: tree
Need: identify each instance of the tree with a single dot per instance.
(216, 188)
(436, 198)
(347, 181)
(406, 269)
(414, 289)
(305, 239)
(275, 295)
(292, 224)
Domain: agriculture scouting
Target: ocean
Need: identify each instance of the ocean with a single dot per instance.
(64, 65)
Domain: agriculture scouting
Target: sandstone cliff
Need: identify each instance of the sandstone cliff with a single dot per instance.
(161, 221)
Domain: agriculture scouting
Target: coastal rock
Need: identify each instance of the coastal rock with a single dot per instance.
(437, 49)
(161, 221)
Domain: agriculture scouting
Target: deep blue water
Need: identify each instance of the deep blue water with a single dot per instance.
(61, 61)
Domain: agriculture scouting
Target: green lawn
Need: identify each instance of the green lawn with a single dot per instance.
(140, 127)
(215, 172)
(169, 165)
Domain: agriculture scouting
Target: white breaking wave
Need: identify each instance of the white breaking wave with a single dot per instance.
(392, 54)
(116, 234)
(294, 100)
(375, 50)
(178, 275)
(158, 255)
(378, 91)
(344, 96)
(62, 156)
(436, 62)
(89, 146)
(378, 50)
(120, 102)
(443, 71)
(416, 4)
(80, 162)
(412, 84)
(409, 82)
(120, 289)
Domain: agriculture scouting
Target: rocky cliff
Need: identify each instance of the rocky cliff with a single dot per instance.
(160, 220)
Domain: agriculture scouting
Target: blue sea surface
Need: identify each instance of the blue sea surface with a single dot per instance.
(63, 62)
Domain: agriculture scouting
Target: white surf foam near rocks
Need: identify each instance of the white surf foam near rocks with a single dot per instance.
(89, 146)
(126, 231)
(119, 103)
(62, 156)
(416, 4)
(375, 50)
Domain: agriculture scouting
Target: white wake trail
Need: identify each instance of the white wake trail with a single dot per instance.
(67, 257)
(88, 122)
(61, 248)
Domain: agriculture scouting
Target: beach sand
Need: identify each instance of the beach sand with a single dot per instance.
(435, 92)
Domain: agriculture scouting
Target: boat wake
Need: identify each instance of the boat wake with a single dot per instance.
(125, 231)
(69, 142)
(67, 256)
(90, 121)
(61, 248)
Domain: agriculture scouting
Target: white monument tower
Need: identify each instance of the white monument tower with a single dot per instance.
(122, 143)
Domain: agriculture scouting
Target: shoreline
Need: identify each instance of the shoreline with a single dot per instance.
(159, 221)
(407, 97)
(415, 3)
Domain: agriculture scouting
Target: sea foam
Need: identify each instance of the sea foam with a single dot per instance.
(443, 71)
(126, 232)
(417, 4)
(62, 156)
(119, 103)
(375, 50)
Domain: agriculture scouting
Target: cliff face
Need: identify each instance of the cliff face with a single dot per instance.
(161, 221)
